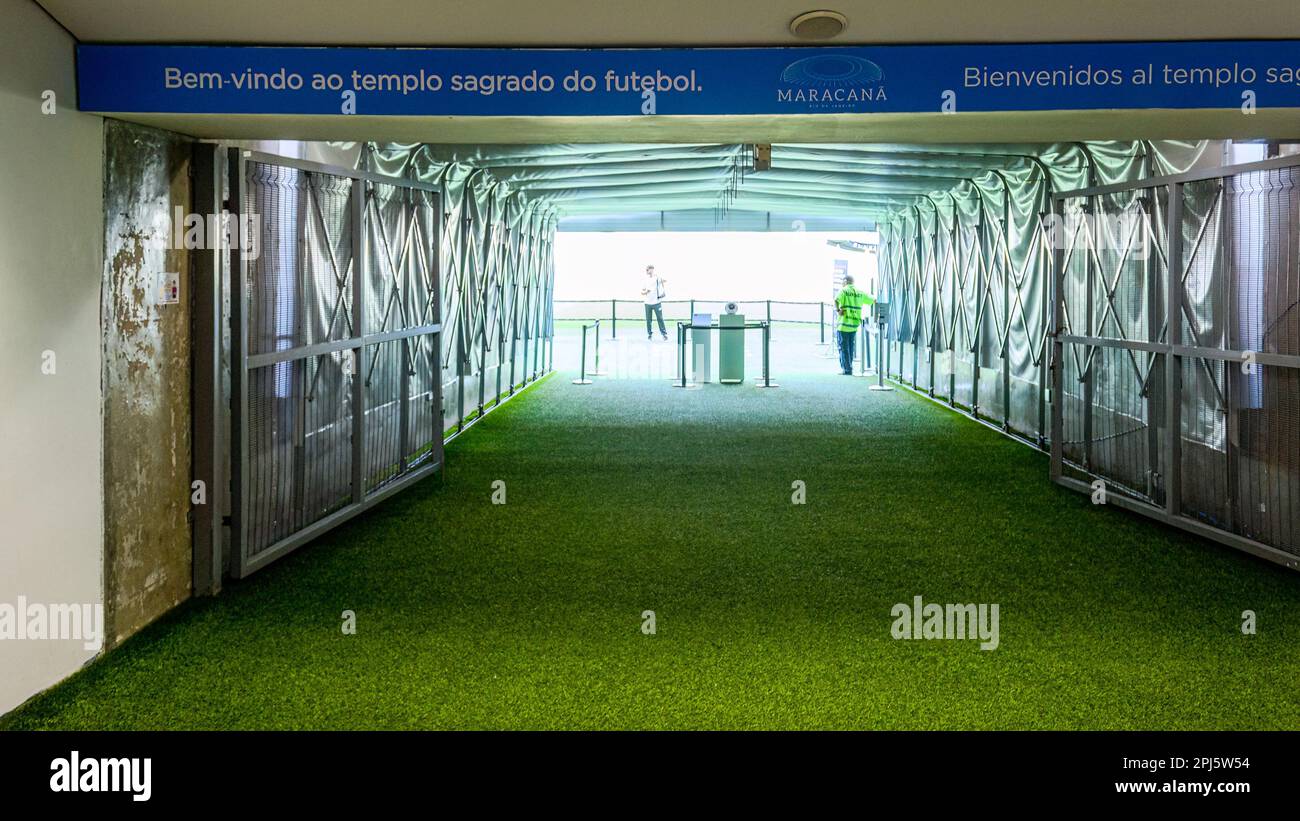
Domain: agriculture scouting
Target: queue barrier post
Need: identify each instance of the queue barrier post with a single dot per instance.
(582, 372)
(880, 356)
(680, 380)
(767, 357)
(864, 350)
(596, 371)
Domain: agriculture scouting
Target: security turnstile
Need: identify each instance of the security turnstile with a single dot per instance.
(731, 349)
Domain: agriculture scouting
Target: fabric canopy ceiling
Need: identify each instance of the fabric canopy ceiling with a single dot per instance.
(869, 181)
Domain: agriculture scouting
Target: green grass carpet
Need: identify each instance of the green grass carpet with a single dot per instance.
(632, 496)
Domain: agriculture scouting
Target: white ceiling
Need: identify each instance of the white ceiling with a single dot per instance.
(663, 22)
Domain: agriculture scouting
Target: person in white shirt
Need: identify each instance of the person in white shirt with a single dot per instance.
(653, 293)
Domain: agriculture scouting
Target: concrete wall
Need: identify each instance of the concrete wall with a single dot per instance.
(51, 241)
(146, 377)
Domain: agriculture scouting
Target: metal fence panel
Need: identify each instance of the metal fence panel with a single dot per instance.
(1048, 315)
(1179, 387)
(335, 340)
(381, 311)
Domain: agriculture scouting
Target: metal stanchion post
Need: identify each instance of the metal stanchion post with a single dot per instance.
(597, 371)
(613, 319)
(582, 374)
(863, 344)
(767, 357)
(835, 333)
(680, 382)
(880, 360)
(681, 351)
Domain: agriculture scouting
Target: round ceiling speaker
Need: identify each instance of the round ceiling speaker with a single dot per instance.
(818, 25)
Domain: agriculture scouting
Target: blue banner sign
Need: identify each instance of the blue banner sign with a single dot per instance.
(697, 81)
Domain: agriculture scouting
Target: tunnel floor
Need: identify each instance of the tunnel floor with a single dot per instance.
(630, 496)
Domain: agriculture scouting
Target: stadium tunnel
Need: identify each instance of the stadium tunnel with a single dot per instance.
(969, 236)
(419, 253)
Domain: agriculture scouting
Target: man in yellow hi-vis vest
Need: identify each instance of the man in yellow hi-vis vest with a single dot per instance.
(848, 306)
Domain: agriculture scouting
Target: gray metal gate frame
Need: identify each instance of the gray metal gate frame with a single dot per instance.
(1168, 344)
(243, 561)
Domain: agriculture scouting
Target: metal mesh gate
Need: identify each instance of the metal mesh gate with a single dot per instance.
(1195, 421)
(335, 348)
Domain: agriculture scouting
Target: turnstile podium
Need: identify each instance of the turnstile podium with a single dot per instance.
(731, 349)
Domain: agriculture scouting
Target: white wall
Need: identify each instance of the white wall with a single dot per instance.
(51, 236)
(741, 266)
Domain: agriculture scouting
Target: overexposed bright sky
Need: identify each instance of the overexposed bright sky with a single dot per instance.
(725, 265)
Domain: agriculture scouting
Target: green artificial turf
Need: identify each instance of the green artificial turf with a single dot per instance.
(627, 496)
